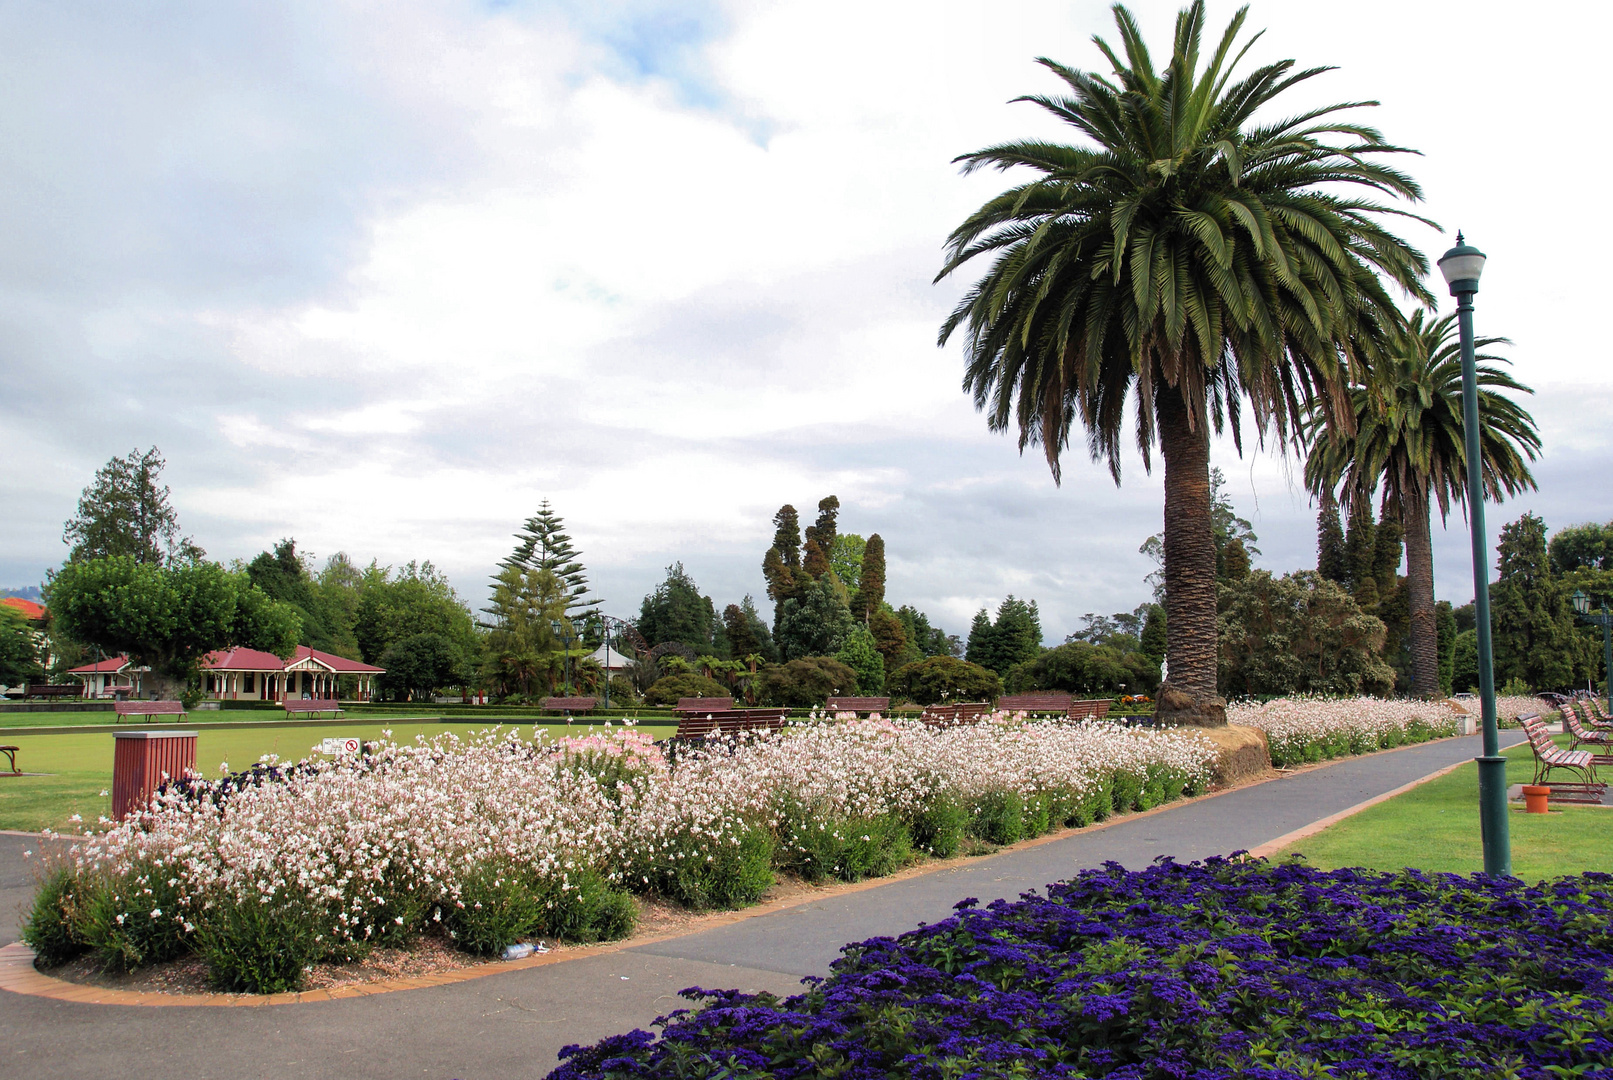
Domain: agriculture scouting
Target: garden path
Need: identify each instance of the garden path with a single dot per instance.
(513, 1024)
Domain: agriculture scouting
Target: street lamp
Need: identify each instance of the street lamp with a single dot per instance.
(1462, 266)
(1604, 619)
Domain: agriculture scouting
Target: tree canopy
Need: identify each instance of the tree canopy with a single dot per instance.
(125, 511)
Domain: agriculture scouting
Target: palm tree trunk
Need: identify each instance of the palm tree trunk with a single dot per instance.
(1190, 622)
(1420, 584)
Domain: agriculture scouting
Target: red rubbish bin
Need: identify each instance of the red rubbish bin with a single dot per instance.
(142, 760)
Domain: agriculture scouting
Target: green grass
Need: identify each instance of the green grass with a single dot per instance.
(92, 717)
(79, 764)
(1435, 827)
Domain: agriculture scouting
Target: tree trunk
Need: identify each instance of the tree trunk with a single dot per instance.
(1189, 695)
(1420, 584)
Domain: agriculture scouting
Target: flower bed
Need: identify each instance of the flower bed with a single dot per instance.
(1212, 970)
(493, 839)
(1305, 729)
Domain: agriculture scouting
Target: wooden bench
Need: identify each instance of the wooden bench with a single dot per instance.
(149, 708)
(313, 705)
(858, 705)
(1092, 709)
(1549, 756)
(568, 705)
(964, 712)
(1048, 702)
(54, 690)
(11, 752)
(689, 706)
(730, 722)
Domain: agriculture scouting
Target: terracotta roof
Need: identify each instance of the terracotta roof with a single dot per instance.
(242, 660)
(337, 663)
(26, 608)
(114, 663)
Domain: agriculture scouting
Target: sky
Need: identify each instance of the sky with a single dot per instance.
(380, 277)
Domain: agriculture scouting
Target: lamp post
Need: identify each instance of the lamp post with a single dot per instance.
(605, 621)
(1461, 266)
(1604, 619)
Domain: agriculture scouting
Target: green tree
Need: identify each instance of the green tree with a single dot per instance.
(1152, 641)
(860, 653)
(890, 638)
(1298, 634)
(1581, 547)
(125, 512)
(1531, 617)
(522, 655)
(928, 639)
(167, 617)
(415, 599)
(943, 678)
(747, 631)
(817, 624)
(543, 544)
(419, 665)
(326, 621)
(1015, 636)
(1408, 440)
(846, 559)
(1445, 620)
(870, 587)
(19, 655)
(1082, 667)
(676, 611)
(781, 565)
(1465, 662)
(1191, 256)
(1331, 563)
(804, 682)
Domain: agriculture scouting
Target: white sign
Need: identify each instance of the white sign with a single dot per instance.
(340, 746)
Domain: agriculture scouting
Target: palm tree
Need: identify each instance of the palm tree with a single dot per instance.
(1408, 439)
(1191, 259)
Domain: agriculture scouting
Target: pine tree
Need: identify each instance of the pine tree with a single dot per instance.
(1530, 614)
(125, 512)
(871, 589)
(1358, 554)
(815, 563)
(781, 565)
(982, 645)
(1445, 620)
(825, 528)
(1153, 639)
(1330, 559)
(544, 545)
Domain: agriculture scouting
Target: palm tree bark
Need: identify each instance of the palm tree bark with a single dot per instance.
(1190, 694)
(1420, 584)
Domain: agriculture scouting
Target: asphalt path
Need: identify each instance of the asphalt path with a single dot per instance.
(514, 1024)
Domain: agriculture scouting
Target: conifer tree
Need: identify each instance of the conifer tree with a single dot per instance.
(1533, 623)
(1330, 560)
(544, 545)
(871, 588)
(815, 563)
(1358, 553)
(781, 566)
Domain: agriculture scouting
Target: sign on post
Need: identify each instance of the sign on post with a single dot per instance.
(340, 746)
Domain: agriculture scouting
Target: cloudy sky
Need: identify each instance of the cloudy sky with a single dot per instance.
(382, 276)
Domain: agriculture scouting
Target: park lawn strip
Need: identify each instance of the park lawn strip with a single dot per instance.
(1435, 827)
(106, 717)
(79, 764)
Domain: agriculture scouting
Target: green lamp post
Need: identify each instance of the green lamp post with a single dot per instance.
(562, 630)
(1461, 266)
(1604, 619)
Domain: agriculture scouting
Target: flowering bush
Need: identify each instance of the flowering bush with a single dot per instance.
(493, 839)
(1302, 729)
(1214, 970)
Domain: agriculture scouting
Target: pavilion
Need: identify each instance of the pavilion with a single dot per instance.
(243, 675)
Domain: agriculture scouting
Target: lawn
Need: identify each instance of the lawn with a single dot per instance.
(368, 713)
(1435, 827)
(79, 764)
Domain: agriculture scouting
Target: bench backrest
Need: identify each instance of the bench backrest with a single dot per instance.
(54, 690)
(1535, 728)
(1048, 702)
(731, 722)
(574, 703)
(1095, 708)
(858, 704)
(1576, 727)
(149, 708)
(312, 705)
(703, 704)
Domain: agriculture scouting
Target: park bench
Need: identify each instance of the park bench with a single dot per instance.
(1549, 756)
(857, 705)
(313, 706)
(1577, 731)
(1091, 709)
(54, 690)
(568, 705)
(965, 712)
(730, 721)
(689, 706)
(175, 709)
(11, 752)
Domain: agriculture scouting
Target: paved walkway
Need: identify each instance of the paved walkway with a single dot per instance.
(513, 1024)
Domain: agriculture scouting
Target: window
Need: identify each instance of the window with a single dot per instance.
(246, 683)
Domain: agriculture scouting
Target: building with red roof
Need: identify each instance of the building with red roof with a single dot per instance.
(28, 609)
(244, 675)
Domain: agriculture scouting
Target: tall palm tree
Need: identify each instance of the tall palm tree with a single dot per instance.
(1187, 257)
(1407, 439)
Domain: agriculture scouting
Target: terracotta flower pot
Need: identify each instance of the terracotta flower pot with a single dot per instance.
(1534, 798)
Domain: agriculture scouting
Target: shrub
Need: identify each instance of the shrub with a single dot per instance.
(500, 902)
(667, 690)
(622, 692)
(698, 875)
(581, 906)
(818, 847)
(49, 928)
(132, 918)
(804, 682)
(943, 678)
(998, 817)
(1081, 667)
(254, 946)
(1219, 969)
(938, 826)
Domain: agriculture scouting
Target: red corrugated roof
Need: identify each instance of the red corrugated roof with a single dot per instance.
(115, 663)
(337, 663)
(242, 660)
(27, 608)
